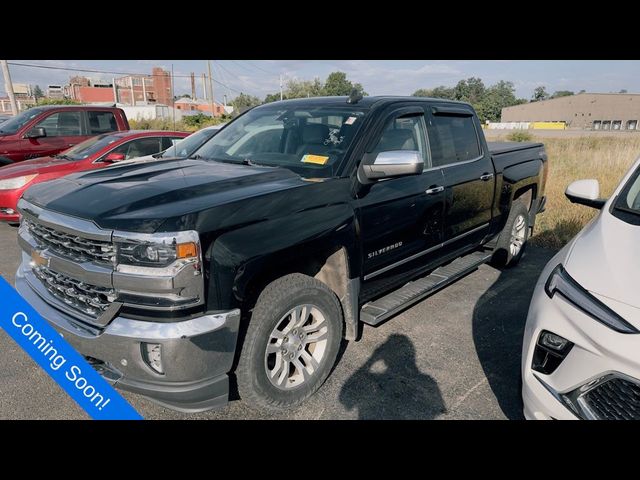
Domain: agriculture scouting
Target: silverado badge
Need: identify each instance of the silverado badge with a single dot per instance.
(37, 260)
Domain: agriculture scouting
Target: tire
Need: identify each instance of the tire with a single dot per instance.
(272, 324)
(5, 161)
(507, 255)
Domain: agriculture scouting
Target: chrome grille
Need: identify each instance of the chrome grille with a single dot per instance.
(88, 299)
(70, 246)
(616, 399)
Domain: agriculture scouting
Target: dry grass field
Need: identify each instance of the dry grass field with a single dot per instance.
(606, 159)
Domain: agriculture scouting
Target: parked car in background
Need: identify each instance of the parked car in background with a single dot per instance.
(185, 148)
(96, 152)
(47, 130)
(581, 352)
(290, 228)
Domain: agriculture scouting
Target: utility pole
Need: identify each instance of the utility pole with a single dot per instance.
(173, 96)
(204, 87)
(225, 101)
(8, 86)
(193, 86)
(211, 100)
(281, 87)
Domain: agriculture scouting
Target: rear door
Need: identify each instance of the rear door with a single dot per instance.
(468, 174)
(401, 223)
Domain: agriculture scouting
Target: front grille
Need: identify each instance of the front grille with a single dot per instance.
(88, 299)
(616, 399)
(71, 246)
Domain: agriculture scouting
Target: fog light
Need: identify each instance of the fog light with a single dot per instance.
(152, 355)
(550, 351)
(7, 211)
(553, 341)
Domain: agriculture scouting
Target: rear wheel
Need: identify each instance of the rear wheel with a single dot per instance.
(513, 238)
(291, 344)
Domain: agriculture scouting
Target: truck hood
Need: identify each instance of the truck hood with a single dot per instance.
(140, 197)
(38, 165)
(604, 261)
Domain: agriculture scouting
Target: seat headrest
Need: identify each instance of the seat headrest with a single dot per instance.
(398, 139)
(315, 134)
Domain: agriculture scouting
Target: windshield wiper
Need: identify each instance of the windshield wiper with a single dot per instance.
(626, 210)
(63, 157)
(196, 157)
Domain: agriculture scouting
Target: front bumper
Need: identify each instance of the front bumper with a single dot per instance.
(599, 353)
(197, 353)
(9, 200)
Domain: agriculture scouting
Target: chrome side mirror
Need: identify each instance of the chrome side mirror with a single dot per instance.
(394, 163)
(585, 192)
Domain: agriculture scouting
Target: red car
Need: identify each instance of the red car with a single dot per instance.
(48, 130)
(96, 152)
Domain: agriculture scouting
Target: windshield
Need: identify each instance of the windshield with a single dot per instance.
(184, 148)
(16, 123)
(89, 147)
(309, 140)
(627, 206)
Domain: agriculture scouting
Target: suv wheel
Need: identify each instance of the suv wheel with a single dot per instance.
(291, 344)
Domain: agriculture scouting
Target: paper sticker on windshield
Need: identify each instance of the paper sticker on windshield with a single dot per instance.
(350, 120)
(317, 159)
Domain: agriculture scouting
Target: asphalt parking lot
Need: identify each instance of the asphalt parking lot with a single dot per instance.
(456, 355)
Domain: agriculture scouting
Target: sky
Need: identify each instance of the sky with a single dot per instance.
(379, 77)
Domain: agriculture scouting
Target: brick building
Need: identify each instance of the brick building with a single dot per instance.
(145, 89)
(188, 104)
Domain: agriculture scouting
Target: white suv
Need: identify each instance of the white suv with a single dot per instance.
(581, 352)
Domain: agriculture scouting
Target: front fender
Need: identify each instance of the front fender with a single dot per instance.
(237, 256)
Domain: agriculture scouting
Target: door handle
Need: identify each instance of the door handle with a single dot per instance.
(486, 177)
(434, 190)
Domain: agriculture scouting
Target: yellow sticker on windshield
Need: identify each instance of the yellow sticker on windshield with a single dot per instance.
(318, 159)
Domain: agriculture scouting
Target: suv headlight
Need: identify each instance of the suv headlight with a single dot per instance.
(157, 250)
(561, 282)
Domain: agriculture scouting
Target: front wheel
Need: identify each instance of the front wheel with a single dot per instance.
(513, 238)
(292, 343)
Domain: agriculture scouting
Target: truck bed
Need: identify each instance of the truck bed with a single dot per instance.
(498, 148)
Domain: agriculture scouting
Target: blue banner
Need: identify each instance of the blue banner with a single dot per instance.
(60, 360)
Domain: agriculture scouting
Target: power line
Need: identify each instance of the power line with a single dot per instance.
(90, 70)
(259, 68)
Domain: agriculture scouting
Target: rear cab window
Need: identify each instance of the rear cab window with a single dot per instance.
(101, 122)
(453, 139)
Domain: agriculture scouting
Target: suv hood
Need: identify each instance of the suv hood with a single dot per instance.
(604, 261)
(140, 197)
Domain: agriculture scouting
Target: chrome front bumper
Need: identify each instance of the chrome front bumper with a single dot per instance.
(197, 353)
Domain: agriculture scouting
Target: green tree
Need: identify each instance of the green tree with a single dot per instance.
(437, 92)
(244, 102)
(471, 90)
(273, 97)
(337, 84)
(562, 93)
(540, 93)
(304, 88)
(56, 101)
(624, 90)
(37, 92)
(495, 98)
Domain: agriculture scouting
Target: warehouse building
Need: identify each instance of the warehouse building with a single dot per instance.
(591, 111)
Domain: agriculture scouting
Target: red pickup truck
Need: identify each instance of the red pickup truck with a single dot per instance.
(47, 130)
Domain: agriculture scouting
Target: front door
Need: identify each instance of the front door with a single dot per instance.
(468, 175)
(63, 129)
(400, 218)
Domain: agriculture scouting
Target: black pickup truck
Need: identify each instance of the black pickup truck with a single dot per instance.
(257, 256)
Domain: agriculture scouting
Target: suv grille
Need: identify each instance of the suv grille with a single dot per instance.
(72, 246)
(616, 399)
(88, 299)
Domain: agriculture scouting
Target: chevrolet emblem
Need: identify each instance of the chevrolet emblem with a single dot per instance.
(37, 260)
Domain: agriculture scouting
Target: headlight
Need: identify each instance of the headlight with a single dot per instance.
(157, 249)
(561, 282)
(17, 182)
